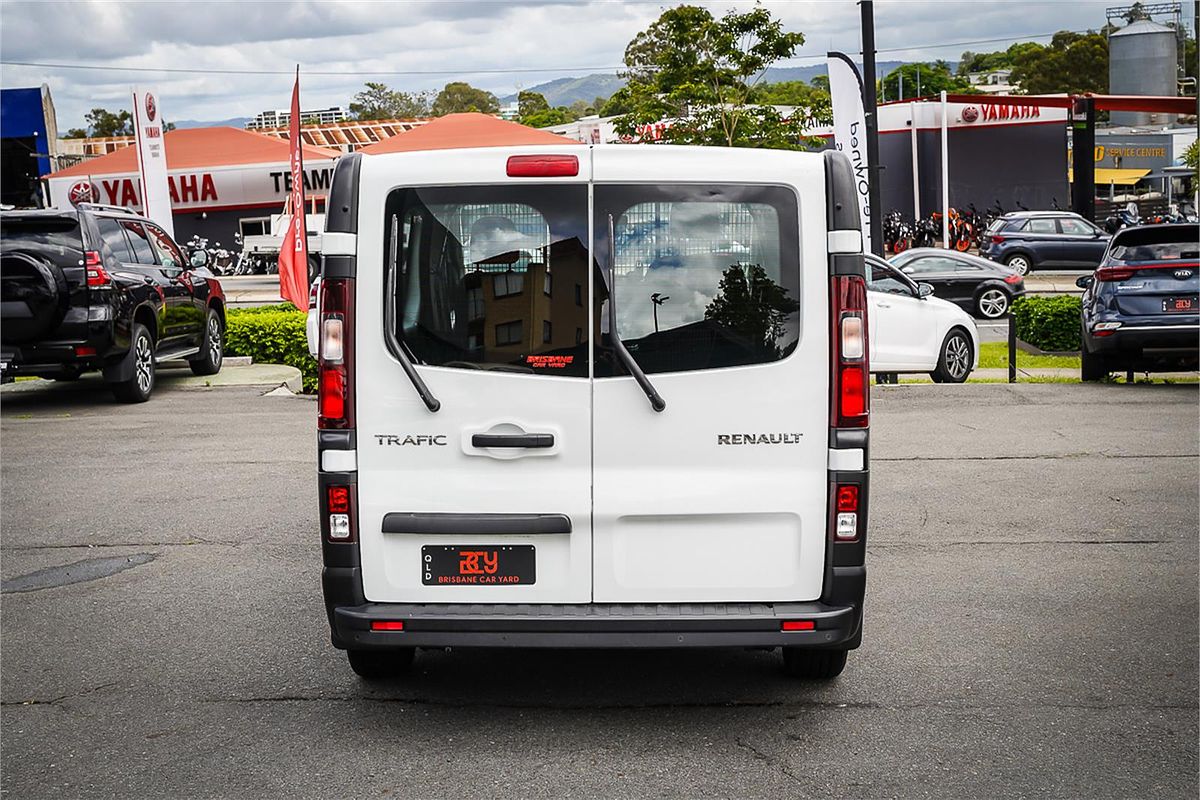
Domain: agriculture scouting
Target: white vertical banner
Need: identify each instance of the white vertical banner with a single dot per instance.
(152, 159)
(850, 130)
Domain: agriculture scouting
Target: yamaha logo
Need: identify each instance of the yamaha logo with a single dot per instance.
(970, 114)
(1183, 274)
(151, 107)
(83, 192)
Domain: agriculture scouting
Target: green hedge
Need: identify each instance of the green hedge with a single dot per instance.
(1048, 322)
(271, 335)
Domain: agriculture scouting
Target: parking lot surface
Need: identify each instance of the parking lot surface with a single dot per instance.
(1031, 623)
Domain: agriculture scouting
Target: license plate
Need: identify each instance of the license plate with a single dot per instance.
(478, 565)
(1180, 304)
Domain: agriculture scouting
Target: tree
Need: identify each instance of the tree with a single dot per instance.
(1191, 157)
(378, 101)
(800, 94)
(1073, 63)
(76, 133)
(102, 122)
(922, 80)
(534, 111)
(460, 96)
(752, 305)
(697, 74)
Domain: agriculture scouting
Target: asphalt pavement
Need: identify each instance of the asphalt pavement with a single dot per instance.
(1031, 624)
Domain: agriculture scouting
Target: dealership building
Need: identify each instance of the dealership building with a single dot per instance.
(222, 180)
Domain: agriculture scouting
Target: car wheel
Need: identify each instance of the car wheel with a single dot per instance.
(212, 351)
(1019, 264)
(954, 361)
(380, 664)
(1092, 366)
(813, 665)
(992, 303)
(141, 383)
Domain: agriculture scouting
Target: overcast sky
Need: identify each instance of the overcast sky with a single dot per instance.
(475, 40)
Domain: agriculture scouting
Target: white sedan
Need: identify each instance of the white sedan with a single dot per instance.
(912, 331)
(310, 322)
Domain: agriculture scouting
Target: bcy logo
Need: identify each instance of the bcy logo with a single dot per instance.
(151, 107)
(83, 192)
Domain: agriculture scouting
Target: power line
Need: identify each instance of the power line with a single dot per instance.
(508, 71)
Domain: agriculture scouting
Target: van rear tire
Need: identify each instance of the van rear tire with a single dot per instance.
(813, 665)
(380, 664)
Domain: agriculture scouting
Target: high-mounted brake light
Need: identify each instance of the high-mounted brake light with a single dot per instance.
(97, 275)
(543, 166)
(335, 373)
(850, 383)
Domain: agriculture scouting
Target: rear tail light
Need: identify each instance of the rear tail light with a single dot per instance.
(339, 518)
(850, 384)
(82, 351)
(1114, 274)
(335, 373)
(97, 275)
(1105, 328)
(1013, 279)
(997, 240)
(547, 166)
(845, 528)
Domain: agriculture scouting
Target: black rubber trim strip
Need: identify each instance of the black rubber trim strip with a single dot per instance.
(529, 440)
(341, 209)
(475, 524)
(338, 267)
(841, 197)
(336, 440)
(847, 264)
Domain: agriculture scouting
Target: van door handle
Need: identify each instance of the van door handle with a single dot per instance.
(532, 440)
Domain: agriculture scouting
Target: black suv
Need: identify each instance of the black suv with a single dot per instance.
(99, 287)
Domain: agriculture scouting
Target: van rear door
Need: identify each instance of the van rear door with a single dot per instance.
(718, 264)
(483, 286)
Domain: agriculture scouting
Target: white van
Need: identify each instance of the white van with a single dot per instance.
(593, 397)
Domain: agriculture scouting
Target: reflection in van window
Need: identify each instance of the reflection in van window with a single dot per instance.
(467, 273)
(704, 277)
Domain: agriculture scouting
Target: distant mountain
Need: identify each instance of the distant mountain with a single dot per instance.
(806, 74)
(233, 122)
(564, 91)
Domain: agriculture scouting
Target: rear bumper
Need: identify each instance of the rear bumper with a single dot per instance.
(44, 358)
(597, 625)
(1177, 344)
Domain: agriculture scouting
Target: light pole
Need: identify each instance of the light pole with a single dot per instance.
(657, 300)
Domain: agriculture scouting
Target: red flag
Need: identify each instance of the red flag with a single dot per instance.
(293, 255)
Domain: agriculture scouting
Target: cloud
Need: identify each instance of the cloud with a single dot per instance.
(460, 37)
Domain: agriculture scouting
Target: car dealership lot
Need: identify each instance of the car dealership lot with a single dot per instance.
(1031, 623)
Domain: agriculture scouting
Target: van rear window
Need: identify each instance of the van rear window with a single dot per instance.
(705, 276)
(481, 277)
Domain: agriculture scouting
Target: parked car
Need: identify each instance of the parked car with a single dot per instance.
(589, 398)
(1028, 240)
(913, 331)
(99, 287)
(976, 285)
(1140, 309)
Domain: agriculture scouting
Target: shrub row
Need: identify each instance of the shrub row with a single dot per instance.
(271, 335)
(1048, 322)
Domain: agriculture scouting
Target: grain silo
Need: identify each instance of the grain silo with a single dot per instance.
(1142, 60)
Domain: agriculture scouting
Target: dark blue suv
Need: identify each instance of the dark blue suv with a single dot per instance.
(1140, 308)
(1028, 240)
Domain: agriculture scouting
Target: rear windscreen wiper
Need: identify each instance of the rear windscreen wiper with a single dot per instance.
(631, 366)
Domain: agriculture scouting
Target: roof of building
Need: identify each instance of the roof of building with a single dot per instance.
(197, 148)
(469, 129)
(1142, 26)
(344, 133)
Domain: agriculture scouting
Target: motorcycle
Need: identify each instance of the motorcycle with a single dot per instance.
(897, 236)
(1126, 217)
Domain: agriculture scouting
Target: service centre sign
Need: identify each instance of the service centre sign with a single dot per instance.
(214, 189)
